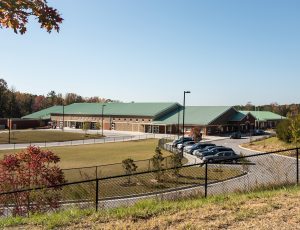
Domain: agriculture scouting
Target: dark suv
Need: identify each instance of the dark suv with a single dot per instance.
(220, 157)
(236, 135)
(214, 151)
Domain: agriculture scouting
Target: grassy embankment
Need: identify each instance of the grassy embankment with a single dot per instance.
(42, 136)
(269, 145)
(268, 209)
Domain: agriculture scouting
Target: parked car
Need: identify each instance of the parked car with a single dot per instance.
(214, 151)
(191, 149)
(236, 135)
(187, 143)
(199, 152)
(221, 157)
(181, 140)
(259, 132)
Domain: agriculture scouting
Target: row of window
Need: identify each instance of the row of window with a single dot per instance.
(131, 119)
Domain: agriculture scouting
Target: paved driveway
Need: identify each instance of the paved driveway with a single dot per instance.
(268, 170)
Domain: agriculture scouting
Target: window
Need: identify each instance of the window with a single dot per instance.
(130, 119)
(136, 120)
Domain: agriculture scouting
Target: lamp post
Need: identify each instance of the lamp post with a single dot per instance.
(178, 128)
(102, 118)
(183, 116)
(9, 121)
(63, 123)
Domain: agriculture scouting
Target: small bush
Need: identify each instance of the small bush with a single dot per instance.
(283, 131)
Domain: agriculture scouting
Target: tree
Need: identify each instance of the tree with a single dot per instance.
(176, 162)
(283, 131)
(196, 134)
(157, 162)
(86, 126)
(13, 104)
(3, 98)
(31, 168)
(129, 167)
(15, 14)
(295, 129)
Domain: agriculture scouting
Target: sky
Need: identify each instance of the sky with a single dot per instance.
(226, 52)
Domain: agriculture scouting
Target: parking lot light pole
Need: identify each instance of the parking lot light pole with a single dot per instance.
(9, 121)
(183, 116)
(63, 123)
(178, 125)
(102, 119)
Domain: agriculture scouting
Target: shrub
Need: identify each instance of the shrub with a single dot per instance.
(283, 131)
(157, 162)
(31, 168)
(129, 167)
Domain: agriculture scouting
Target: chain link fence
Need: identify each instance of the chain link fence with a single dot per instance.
(107, 191)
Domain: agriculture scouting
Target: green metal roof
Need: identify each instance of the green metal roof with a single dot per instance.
(264, 115)
(45, 113)
(238, 116)
(126, 109)
(194, 115)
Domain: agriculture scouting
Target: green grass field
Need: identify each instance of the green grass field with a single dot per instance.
(101, 154)
(42, 136)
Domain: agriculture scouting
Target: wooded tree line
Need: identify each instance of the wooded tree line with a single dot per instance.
(16, 104)
(288, 110)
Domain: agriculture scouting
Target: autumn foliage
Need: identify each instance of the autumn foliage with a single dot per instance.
(15, 14)
(31, 168)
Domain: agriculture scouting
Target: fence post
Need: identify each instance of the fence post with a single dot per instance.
(206, 179)
(297, 165)
(96, 172)
(97, 194)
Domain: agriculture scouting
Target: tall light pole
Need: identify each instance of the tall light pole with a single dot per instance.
(9, 121)
(178, 129)
(102, 118)
(183, 116)
(63, 123)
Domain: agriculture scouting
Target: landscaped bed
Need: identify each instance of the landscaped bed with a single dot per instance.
(269, 145)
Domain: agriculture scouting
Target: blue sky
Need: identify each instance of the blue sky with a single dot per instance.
(225, 52)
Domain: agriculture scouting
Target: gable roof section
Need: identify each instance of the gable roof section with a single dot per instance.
(45, 113)
(238, 116)
(264, 115)
(126, 109)
(194, 115)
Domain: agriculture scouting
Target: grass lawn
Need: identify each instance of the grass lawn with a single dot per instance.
(146, 183)
(264, 209)
(269, 145)
(42, 136)
(101, 154)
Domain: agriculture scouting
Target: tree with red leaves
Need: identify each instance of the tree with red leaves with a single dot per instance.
(15, 14)
(31, 168)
